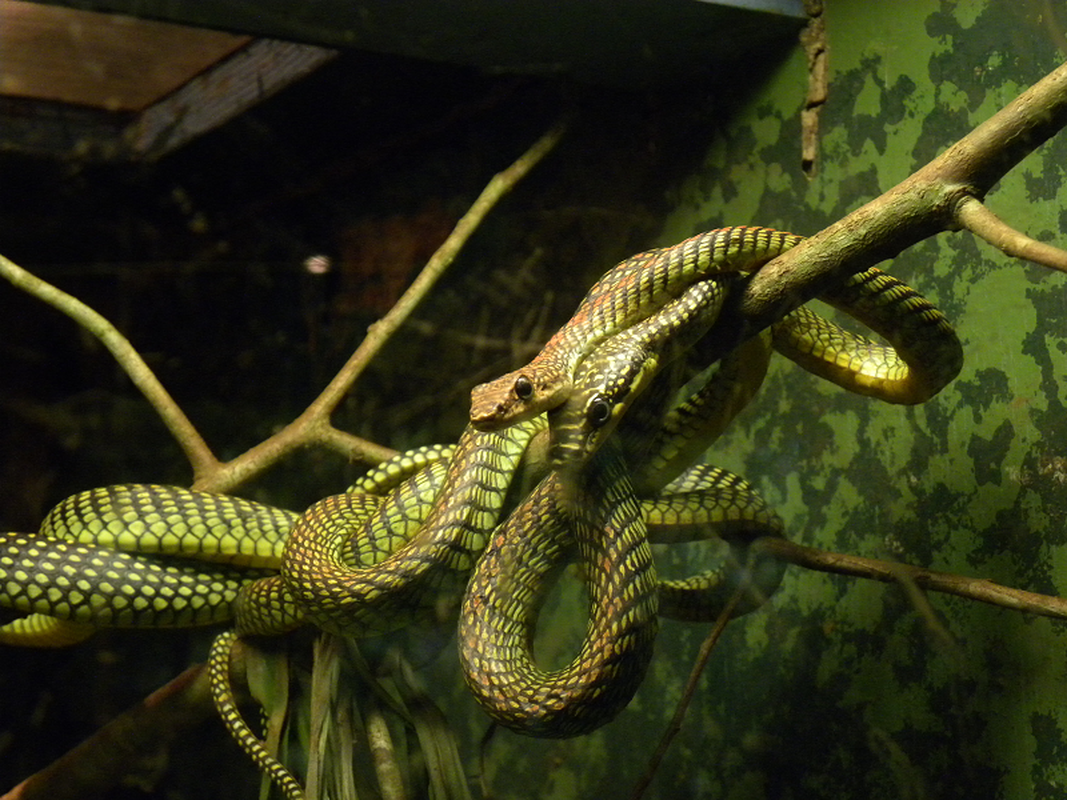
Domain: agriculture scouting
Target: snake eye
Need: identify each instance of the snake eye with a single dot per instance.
(598, 412)
(524, 388)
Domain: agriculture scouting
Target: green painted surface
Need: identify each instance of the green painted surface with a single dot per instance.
(844, 688)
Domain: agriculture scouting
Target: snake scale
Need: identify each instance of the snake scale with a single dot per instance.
(442, 527)
(626, 294)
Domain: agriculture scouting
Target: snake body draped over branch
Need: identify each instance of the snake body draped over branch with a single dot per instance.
(444, 527)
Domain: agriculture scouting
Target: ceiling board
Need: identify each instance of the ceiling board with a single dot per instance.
(108, 61)
(134, 79)
(621, 43)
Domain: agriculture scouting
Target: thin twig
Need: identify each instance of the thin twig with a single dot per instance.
(196, 449)
(354, 448)
(979, 589)
(973, 215)
(912, 578)
(313, 425)
(680, 710)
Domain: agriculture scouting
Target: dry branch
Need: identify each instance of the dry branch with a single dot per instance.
(313, 426)
(926, 203)
(980, 589)
(192, 443)
(974, 216)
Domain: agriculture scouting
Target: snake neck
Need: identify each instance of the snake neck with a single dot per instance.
(349, 581)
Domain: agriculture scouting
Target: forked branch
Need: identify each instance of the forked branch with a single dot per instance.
(313, 426)
(938, 197)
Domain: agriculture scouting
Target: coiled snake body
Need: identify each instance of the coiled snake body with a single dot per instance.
(376, 558)
(627, 294)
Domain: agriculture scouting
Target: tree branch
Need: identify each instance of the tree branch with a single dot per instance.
(353, 447)
(922, 205)
(313, 426)
(200, 457)
(892, 571)
(974, 216)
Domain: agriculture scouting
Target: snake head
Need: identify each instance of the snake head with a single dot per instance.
(516, 397)
(578, 428)
(604, 389)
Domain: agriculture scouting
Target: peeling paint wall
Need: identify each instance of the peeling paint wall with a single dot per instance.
(842, 687)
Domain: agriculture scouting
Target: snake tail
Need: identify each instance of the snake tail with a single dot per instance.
(41, 630)
(218, 665)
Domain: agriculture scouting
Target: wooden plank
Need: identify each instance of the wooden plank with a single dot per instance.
(108, 61)
(255, 73)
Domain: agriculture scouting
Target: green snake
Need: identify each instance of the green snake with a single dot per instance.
(122, 527)
(364, 562)
(601, 521)
(660, 512)
(922, 357)
(607, 382)
(626, 294)
(361, 594)
(928, 357)
(105, 558)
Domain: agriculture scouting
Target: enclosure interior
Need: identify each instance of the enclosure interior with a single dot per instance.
(840, 687)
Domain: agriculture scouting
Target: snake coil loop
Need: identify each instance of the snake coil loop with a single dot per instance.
(447, 522)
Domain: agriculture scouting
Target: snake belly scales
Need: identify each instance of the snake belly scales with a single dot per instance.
(370, 560)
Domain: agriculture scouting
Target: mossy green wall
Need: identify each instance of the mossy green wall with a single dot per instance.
(845, 688)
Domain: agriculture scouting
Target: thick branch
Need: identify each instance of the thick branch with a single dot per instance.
(924, 204)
